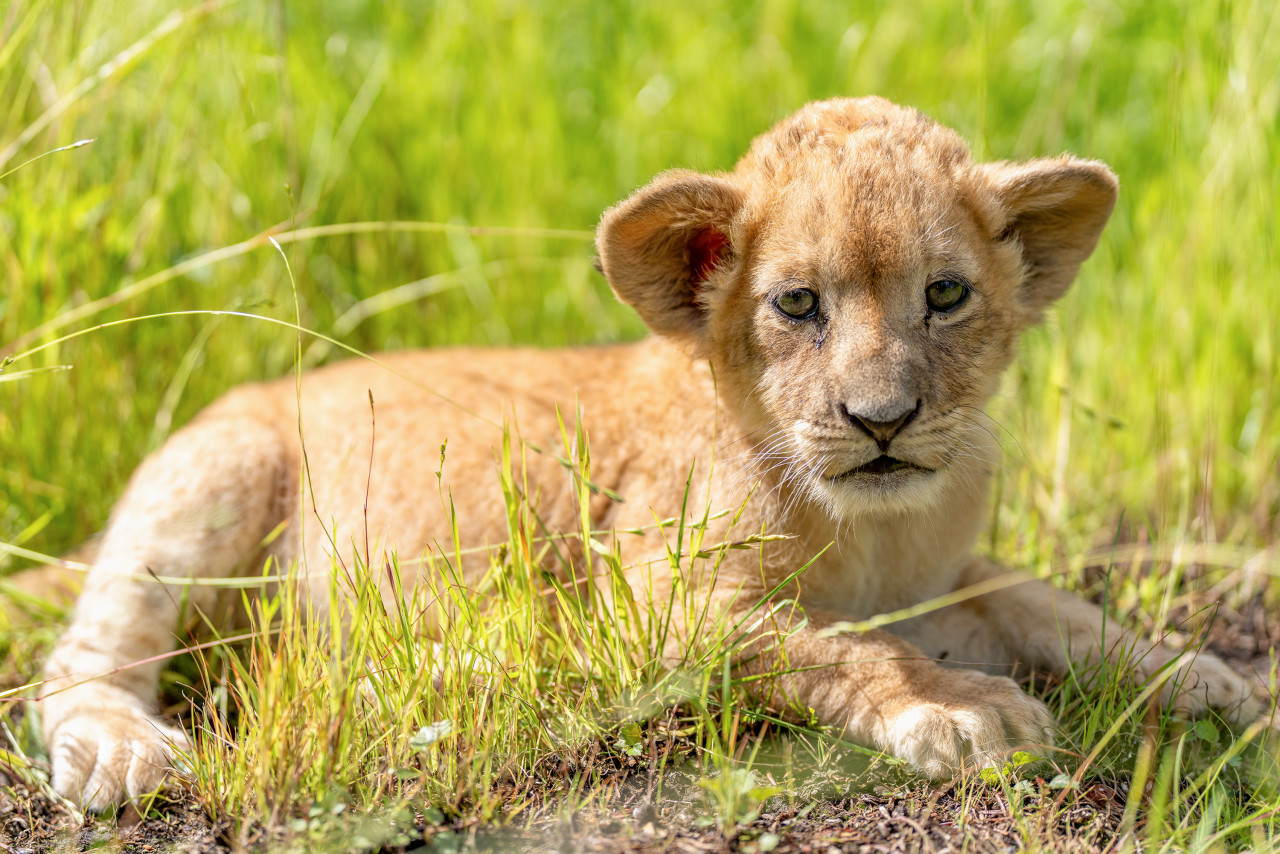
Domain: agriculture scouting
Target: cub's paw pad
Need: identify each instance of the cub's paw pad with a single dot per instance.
(109, 757)
(970, 721)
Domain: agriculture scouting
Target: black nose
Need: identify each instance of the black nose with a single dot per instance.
(881, 422)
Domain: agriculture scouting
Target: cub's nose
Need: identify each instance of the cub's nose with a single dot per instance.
(880, 421)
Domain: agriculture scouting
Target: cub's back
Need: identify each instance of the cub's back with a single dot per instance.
(373, 432)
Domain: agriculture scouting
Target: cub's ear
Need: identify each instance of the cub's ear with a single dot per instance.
(659, 247)
(1056, 209)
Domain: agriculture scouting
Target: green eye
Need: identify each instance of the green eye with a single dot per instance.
(945, 295)
(800, 304)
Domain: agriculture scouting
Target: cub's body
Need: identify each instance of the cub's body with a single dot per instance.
(830, 319)
(374, 431)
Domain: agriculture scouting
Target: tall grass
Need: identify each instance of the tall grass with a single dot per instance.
(1142, 422)
(479, 697)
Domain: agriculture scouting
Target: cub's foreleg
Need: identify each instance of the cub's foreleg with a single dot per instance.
(1029, 622)
(881, 690)
(198, 508)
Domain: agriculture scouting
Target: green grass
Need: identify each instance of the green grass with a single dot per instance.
(1146, 412)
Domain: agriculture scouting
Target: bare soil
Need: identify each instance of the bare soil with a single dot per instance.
(919, 819)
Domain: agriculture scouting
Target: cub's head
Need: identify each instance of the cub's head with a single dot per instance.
(858, 284)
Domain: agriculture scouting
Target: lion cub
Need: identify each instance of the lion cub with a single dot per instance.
(831, 316)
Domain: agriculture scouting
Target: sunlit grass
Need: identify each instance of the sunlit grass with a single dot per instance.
(482, 697)
(1141, 424)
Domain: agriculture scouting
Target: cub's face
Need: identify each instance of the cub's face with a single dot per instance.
(858, 285)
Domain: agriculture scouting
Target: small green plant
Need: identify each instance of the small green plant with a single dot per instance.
(734, 797)
(1010, 771)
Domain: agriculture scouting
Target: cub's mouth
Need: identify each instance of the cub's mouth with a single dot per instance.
(880, 466)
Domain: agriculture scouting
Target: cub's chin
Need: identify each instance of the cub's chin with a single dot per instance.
(883, 484)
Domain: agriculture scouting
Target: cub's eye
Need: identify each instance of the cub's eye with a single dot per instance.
(800, 304)
(945, 295)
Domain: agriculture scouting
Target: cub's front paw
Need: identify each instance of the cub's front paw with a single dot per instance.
(963, 719)
(105, 757)
(1195, 681)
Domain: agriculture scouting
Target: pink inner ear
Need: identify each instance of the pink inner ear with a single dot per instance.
(706, 250)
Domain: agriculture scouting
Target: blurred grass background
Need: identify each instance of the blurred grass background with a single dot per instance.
(1150, 395)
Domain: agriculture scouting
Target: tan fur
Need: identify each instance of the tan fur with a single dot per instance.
(861, 201)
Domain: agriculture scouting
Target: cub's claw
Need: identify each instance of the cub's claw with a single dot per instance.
(108, 757)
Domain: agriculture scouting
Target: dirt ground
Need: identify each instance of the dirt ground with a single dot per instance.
(919, 819)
